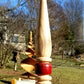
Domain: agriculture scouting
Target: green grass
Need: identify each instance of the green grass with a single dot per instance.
(67, 76)
(59, 76)
(66, 62)
(6, 79)
(67, 73)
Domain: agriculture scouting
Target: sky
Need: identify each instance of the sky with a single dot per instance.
(13, 3)
(7, 2)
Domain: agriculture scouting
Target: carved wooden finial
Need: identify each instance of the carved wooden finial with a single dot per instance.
(43, 46)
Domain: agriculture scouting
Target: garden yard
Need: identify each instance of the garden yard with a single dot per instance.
(65, 71)
(61, 20)
(60, 76)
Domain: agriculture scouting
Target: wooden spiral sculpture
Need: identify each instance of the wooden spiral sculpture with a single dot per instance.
(28, 64)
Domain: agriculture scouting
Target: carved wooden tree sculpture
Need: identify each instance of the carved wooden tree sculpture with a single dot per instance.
(43, 46)
(28, 64)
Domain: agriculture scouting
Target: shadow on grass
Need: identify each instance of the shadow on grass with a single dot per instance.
(6, 82)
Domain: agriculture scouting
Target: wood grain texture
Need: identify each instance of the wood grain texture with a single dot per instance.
(43, 46)
(43, 38)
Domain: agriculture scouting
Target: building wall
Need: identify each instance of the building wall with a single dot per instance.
(18, 41)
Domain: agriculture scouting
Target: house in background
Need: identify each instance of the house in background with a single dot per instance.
(18, 42)
(18, 38)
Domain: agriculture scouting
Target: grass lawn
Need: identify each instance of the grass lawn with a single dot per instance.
(59, 75)
(66, 62)
(6, 75)
(65, 74)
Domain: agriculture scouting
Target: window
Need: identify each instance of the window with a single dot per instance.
(15, 39)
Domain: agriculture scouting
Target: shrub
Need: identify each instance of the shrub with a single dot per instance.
(5, 54)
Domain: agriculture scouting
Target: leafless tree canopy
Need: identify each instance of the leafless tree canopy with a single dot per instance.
(74, 12)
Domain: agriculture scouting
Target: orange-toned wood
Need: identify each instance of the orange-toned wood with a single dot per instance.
(28, 64)
(13, 81)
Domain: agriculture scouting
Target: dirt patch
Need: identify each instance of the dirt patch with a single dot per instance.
(10, 72)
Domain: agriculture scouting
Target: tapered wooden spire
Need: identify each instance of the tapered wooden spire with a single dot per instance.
(43, 46)
(43, 41)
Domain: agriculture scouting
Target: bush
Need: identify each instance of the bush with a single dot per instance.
(79, 49)
(5, 54)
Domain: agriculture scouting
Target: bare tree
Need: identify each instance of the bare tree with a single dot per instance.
(8, 26)
(74, 12)
(25, 21)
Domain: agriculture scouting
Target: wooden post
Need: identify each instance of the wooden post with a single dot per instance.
(43, 46)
